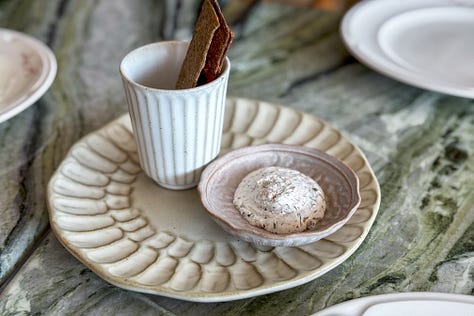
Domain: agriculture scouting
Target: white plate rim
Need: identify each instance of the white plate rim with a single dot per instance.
(384, 65)
(358, 306)
(411, 15)
(44, 81)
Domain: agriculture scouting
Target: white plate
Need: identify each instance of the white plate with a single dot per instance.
(27, 70)
(412, 304)
(139, 236)
(425, 43)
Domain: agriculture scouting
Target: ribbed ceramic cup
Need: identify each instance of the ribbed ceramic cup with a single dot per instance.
(178, 132)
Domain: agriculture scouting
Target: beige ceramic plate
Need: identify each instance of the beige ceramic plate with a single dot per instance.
(221, 178)
(27, 70)
(138, 236)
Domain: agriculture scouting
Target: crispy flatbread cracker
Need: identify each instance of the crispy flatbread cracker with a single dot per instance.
(195, 59)
(218, 49)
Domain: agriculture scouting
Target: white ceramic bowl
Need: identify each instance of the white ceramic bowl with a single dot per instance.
(222, 177)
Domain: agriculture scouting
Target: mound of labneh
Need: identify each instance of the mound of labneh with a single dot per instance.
(280, 200)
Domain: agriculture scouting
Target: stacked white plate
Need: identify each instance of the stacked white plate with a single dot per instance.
(425, 43)
(409, 304)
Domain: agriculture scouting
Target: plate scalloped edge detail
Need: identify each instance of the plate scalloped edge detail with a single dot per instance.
(92, 213)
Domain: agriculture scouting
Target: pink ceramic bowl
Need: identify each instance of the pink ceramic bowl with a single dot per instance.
(221, 178)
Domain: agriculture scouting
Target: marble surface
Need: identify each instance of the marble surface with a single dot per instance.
(420, 144)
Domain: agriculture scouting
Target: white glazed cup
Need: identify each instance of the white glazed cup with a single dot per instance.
(178, 132)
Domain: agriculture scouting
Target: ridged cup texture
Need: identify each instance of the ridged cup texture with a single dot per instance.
(178, 132)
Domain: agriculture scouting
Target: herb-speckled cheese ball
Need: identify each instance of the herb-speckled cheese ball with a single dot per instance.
(280, 200)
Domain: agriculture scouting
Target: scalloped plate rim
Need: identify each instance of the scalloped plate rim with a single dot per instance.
(209, 297)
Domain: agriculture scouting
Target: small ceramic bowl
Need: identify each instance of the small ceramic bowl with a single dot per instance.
(222, 177)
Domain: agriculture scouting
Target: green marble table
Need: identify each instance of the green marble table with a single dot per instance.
(420, 145)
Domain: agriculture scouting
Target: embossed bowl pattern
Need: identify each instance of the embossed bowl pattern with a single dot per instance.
(222, 177)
